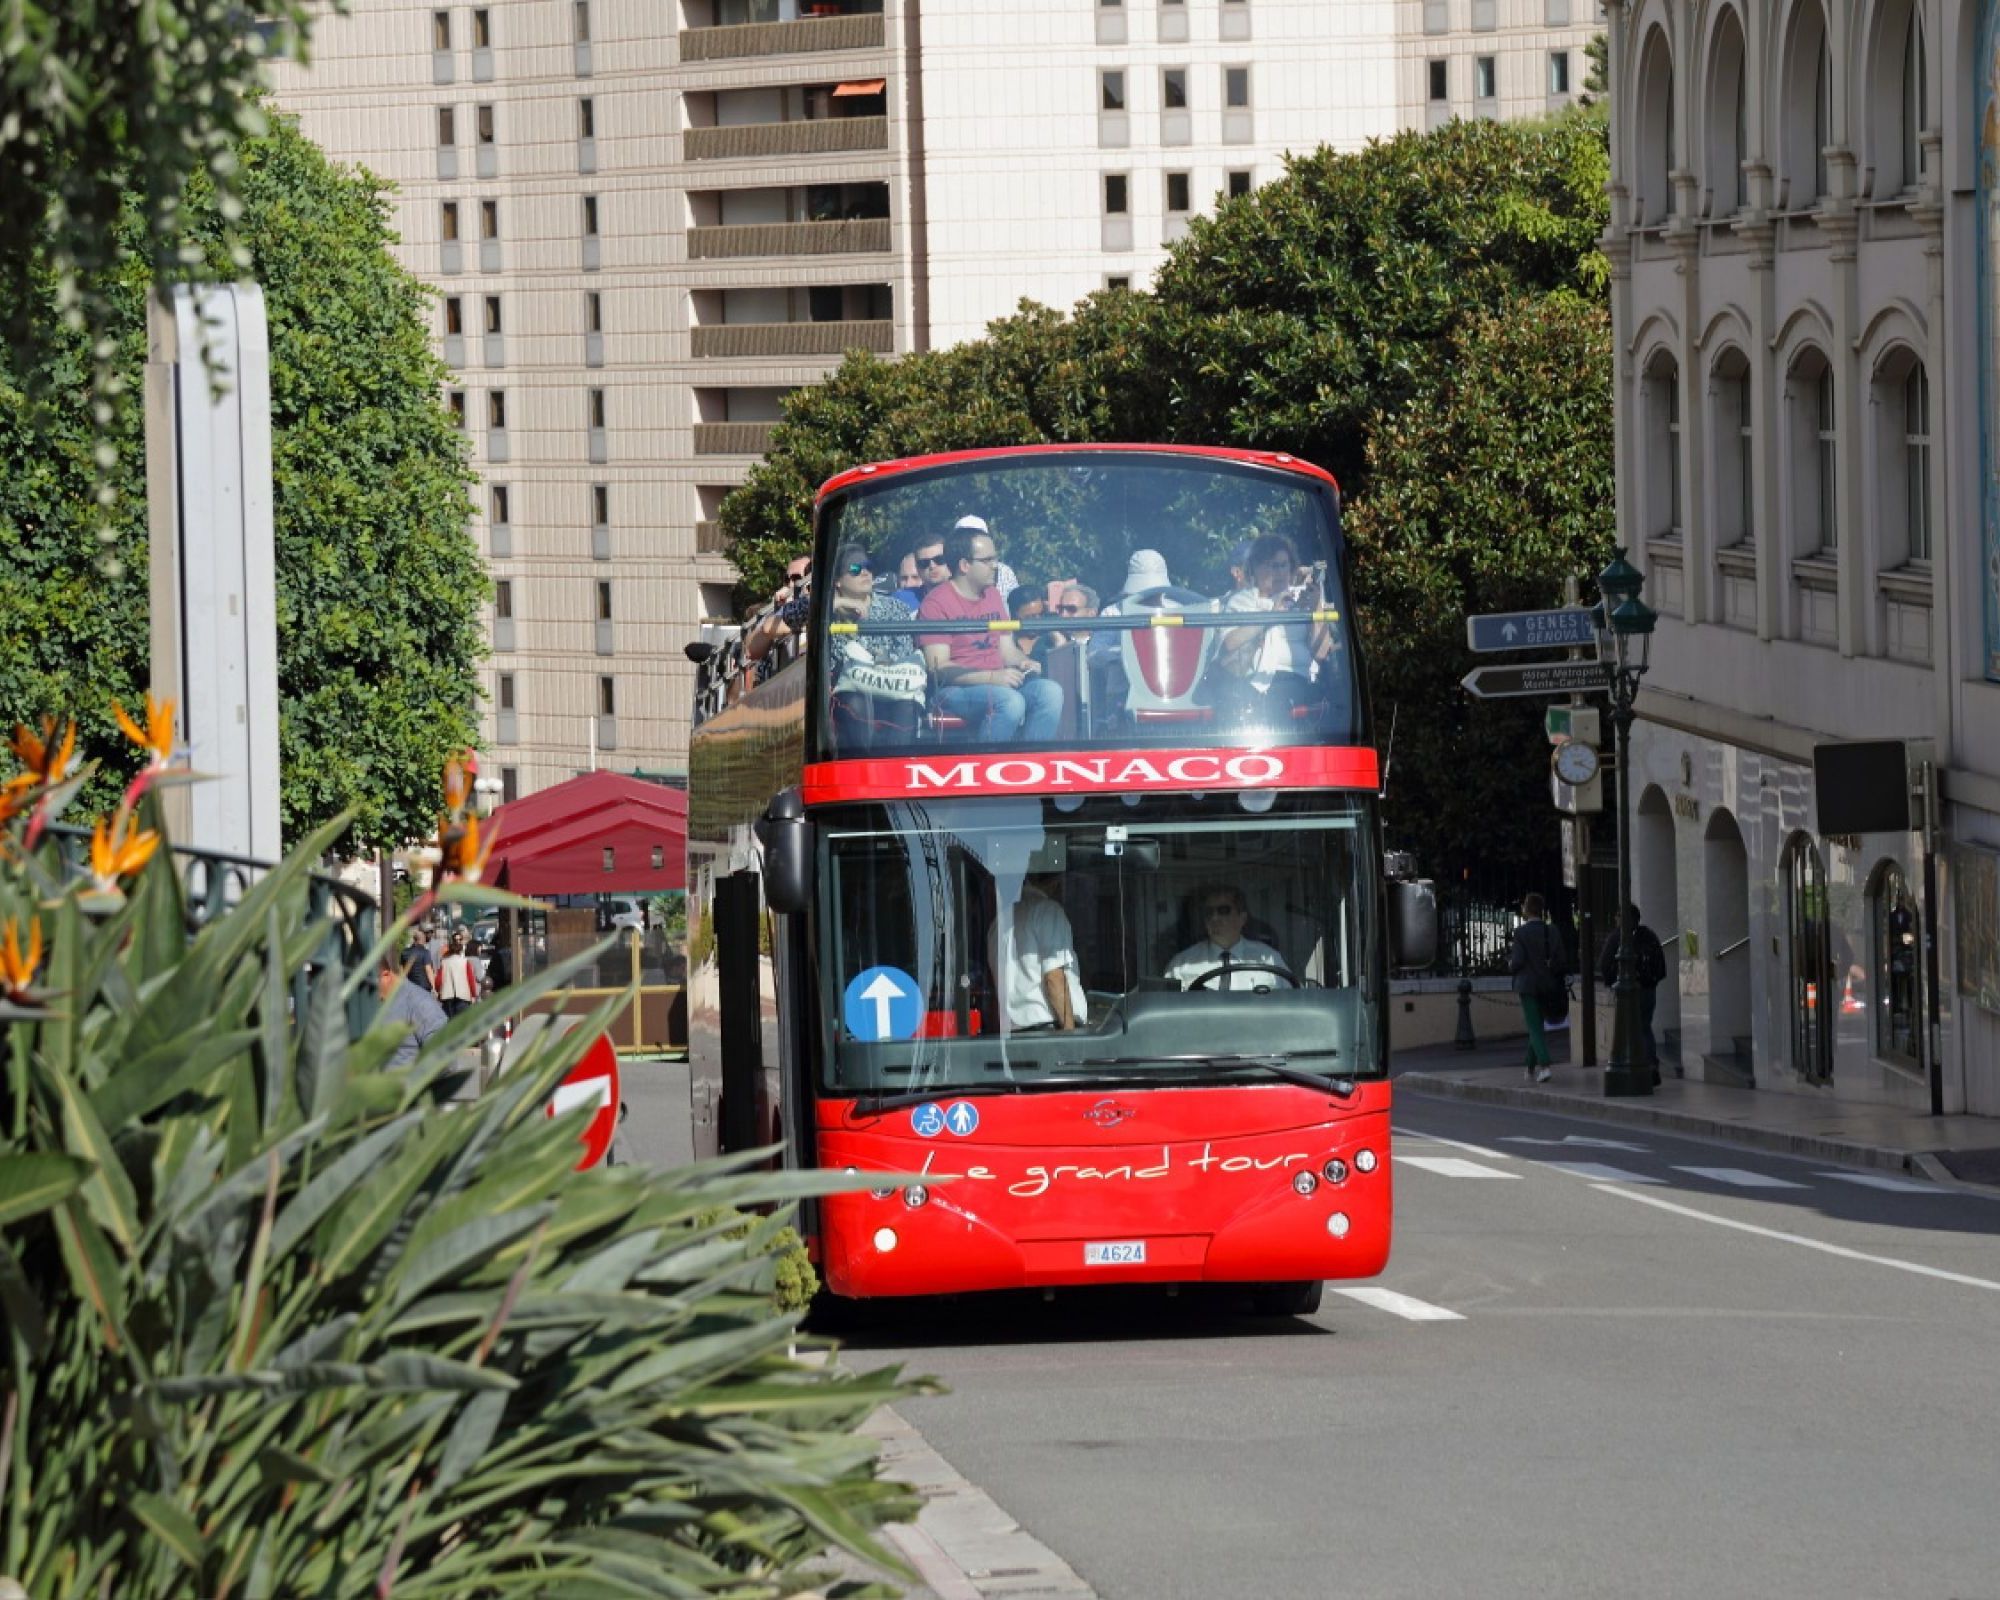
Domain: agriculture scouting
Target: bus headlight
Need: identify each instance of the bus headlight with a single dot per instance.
(1335, 1170)
(1337, 1224)
(1304, 1182)
(880, 1194)
(916, 1195)
(1364, 1161)
(885, 1239)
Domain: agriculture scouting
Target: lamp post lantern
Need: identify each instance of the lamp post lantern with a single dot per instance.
(1630, 621)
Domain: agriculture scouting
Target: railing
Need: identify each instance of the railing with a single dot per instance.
(755, 140)
(752, 339)
(708, 539)
(860, 32)
(733, 438)
(1730, 950)
(848, 236)
(213, 882)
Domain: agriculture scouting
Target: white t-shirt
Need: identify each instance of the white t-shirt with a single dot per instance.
(1034, 941)
(1282, 649)
(1196, 959)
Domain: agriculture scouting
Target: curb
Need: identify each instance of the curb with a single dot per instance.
(1631, 1113)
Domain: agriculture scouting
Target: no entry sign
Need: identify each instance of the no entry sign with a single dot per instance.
(593, 1081)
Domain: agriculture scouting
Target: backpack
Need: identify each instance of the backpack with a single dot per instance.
(1651, 957)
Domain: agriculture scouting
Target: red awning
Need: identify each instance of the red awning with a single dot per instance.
(864, 86)
(600, 833)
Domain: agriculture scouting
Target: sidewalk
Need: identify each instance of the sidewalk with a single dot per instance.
(1953, 1150)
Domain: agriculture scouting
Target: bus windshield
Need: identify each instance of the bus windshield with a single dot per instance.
(1014, 943)
(1080, 601)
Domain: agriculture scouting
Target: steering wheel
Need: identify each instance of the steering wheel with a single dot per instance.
(1200, 979)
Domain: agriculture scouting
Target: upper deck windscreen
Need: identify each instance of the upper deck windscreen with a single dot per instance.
(1082, 601)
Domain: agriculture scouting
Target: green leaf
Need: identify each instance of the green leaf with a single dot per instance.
(173, 1527)
(33, 1183)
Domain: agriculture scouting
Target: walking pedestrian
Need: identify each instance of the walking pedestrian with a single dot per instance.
(1536, 962)
(458, 982)
(1649, 963)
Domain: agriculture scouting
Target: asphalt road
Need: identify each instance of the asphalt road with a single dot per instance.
(1621, 1364)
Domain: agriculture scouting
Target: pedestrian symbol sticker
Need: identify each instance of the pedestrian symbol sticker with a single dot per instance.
(962, 1117)
(927, 1121)
(883, 1003)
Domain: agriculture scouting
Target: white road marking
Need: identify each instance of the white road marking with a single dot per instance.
(1401, 1305)
(1597, 1172)
(1453, 1167)
(590, 1092)
(1877, 1180)
(1456, 1144)
(1576, 1141)
(1742, 1177)
(1800, 1239)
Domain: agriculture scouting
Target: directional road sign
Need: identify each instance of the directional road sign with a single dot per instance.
(1538, 677)
(1530, 630)
(882, 1003)
(593, 1081)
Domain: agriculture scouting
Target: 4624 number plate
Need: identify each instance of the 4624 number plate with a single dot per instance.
(1120, 1253)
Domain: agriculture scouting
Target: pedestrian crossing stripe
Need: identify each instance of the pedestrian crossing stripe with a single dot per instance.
(1596, 1172)
(1401, 1305)
(1877, 1180)
(1453, 1167)
(1741, 1177)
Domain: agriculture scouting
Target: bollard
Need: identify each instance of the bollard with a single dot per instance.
(1466, 1039)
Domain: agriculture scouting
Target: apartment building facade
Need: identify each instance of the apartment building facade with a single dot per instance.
(1805, 414)
(648, 220)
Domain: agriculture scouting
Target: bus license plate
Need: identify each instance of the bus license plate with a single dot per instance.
(1127, 1252)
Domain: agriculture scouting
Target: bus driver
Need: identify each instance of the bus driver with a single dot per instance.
(1223, 912)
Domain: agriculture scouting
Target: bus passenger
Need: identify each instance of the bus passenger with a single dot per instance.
(1034, 959)
(1267, 670)
(1224, 912)
(984, 677)
(787, 613)
(878, 684)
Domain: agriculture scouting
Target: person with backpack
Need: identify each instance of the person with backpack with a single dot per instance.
(1649, 965)
(1537, 963)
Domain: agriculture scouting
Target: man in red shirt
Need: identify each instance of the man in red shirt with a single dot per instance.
(983, 677)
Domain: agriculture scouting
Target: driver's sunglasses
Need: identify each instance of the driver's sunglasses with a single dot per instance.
(1222, 908)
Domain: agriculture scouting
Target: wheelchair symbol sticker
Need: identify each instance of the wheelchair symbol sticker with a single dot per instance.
(927, 1121)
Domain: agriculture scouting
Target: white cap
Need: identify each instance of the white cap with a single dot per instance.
(974, 524)
(1146, 570)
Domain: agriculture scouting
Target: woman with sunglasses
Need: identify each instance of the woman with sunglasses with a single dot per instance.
(878, 682)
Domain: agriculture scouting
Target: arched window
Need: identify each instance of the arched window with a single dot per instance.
(1896, 970)
(1725, 120)
(1815, 997)
(1653, 132)
(1661, 400)
(1812, 446)
(1805, 101)
(1916, 90)
(1902, 452)
(1733, 450)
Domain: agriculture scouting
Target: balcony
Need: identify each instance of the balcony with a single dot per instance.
(745, 40)
(756, 140)
(708, 539)
(754, 339)
(850, 236)
(733, 438)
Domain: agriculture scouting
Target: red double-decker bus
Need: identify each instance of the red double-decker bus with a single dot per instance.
(1074, 909)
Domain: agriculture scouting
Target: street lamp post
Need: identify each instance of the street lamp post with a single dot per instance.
(1630, 621)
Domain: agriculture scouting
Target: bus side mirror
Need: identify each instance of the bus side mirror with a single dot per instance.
(786, 836)
(1413, 924)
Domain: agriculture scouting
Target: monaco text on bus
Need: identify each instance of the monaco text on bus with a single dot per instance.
(1033, 851)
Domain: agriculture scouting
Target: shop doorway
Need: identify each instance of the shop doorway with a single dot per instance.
(1658, 897)
(1726, 886)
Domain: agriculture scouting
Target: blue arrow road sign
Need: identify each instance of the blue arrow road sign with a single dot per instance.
(882, 1003)
(1530, 630)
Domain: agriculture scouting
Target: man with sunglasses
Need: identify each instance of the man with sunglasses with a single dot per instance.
(787, 613)
(984, 677)
(1223, 913)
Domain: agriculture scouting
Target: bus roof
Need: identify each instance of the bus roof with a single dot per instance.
(1256, 458)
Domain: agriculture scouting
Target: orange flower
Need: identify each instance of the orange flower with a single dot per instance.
(117, 850)
(157, 737)
(46, 758)
(460, 854)
(17, 965)
(458, 775)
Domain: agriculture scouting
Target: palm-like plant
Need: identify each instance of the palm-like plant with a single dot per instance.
(280, 1323)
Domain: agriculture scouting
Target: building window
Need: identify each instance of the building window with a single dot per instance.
(1437, 16)
(1121, 281)
(1725, 116)
(499, 507)
(1822, 118)
(454, 315)
(1485, 77)
(593, 312)
(1173, 89)
(1117, 199)
(447, 127)
(1898, 973)
(482, 124)
(506, 691)
(1660, 391)
(590, 216)
(1654, 131)
(493, 313)
(1179, 188)
(1558, 72)
(1916, 90)
(503, 600)
(440, 30)
(1239, 184)
(1111, 90)
(1815, 998)
(1917, 461)
(1439, 78)
(580, 24)
(1746, 457)
(596, 408)
(482, 29)
(510, 785)
(1826, 438)
(1673, 397)
(489, 219)
(496, 408)
(600, 504)
(1236, 88)
(456, 401)
(607, 697)
(586, 119)
(603, 601)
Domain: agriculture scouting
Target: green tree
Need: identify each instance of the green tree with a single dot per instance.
(379, 583)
